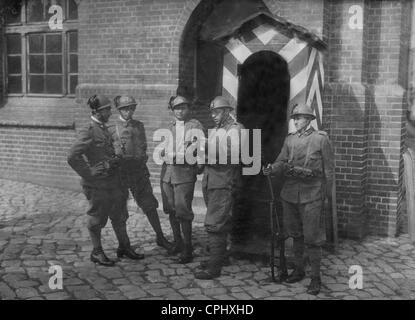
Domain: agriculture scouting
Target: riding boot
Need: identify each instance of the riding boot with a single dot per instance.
(154, 220)
(178, 241)
(98, 256)
(186, 255)
(124, 246)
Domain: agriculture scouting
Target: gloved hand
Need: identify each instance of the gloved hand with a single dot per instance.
(98, 170)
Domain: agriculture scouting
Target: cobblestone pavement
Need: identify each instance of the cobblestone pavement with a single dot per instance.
(40, 227)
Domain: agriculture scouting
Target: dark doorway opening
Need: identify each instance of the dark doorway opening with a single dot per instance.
(264, 88)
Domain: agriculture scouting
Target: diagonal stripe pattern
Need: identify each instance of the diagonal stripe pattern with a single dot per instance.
(305, 65)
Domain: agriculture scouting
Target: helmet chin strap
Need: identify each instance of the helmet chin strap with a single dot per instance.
(225, 117)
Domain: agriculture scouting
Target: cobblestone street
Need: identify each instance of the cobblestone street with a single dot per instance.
(40, 227)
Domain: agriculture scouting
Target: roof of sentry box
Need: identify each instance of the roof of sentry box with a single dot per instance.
(229, 16)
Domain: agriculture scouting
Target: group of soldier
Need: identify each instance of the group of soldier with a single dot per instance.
(111, 159)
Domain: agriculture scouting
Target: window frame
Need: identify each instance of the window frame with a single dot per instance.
(24, 29)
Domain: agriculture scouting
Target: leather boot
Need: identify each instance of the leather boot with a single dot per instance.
(186, 255)
(298, 274)
(177, 246)
(129, 253)
(153, 218)
(314, 286)
(217, 244)
(124, 246)
(98, 256)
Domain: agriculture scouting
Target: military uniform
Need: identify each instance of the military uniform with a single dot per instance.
(220, 185)
(130, 144)
(177, 188)
(131, 147)
(107, 199)
(307, 161)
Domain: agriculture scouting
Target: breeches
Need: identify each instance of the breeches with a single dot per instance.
(177, 199)
(104, 204)
(305, 220)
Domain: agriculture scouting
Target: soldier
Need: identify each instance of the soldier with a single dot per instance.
(178, 181)
(306, 159)
(131, 146)
(220, 184)
(93, 158)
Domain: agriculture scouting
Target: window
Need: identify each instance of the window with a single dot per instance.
(41, 60)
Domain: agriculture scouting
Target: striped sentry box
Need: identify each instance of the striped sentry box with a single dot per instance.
(305, 65)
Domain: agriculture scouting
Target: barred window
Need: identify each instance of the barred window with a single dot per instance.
(42, 59)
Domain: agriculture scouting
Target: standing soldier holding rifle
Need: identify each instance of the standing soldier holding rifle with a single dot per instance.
(131, 147)
(306, 159)
(93, 158)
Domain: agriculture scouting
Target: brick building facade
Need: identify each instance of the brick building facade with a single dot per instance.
(150, 48)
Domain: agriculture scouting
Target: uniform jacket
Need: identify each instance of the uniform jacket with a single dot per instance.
(223, 176)
(131, 145)
(181, 173)
(129, 139)
(94, 145)
(309, 150)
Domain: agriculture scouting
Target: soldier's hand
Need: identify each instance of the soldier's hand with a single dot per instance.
(98, 170)
(267, 170)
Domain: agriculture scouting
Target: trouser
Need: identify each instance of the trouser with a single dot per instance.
(143, 195)
(218, 223)
(305, 223)
(177, 200)
(104, 204)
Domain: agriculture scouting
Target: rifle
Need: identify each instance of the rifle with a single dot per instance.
(282, 273)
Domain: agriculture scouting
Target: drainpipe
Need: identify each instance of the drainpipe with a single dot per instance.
(411, 85)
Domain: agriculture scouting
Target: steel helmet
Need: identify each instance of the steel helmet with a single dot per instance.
(220, 102)
(177, 101)
(124, 101)
(302, 109)
(98, 102)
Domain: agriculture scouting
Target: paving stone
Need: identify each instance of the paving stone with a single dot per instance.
(214, 291)
(199, 297)
(45, 226)
(24, 293)
(274, 287)
(6, 293)
(190, 291)
(241, 296)
(258, 293)
(26, 284)
(85, 294)
(231, 282)
(57, 296)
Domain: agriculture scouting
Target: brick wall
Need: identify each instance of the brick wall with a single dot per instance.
(365, 97)
(36, 154)
(143, 48)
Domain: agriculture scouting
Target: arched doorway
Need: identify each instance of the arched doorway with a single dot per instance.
(263, 95)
